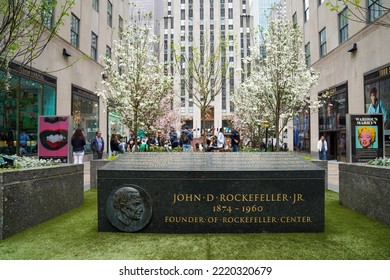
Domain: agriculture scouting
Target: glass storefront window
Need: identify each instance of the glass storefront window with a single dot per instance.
(301, 131)
(22, 101)
(379, 81)
(29, 110)
(332, 122)
(8, 111)
(85, 113)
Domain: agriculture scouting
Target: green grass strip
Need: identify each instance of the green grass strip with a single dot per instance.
(348, 236)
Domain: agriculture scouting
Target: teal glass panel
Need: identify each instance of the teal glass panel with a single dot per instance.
(30, 108)
(49, 101)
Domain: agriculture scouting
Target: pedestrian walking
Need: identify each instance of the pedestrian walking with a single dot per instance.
(97, 145)
(78, 143)
(322, 147)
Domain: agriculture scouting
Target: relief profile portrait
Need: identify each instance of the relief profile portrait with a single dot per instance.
(129, 208)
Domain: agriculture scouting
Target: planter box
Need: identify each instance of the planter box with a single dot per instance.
(31, 196)
(95, 165)
(323, 164)
(366, 189)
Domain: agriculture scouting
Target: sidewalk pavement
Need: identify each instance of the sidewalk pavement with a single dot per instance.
(333, 176)
(87, 177)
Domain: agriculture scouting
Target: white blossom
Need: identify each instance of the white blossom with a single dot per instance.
(136, 82)
(277, 88)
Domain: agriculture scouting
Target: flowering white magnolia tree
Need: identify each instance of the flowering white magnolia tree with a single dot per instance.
(136, 82)
(202, 73)
(278, 85)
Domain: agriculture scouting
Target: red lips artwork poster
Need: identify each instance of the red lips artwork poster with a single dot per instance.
(54, 137)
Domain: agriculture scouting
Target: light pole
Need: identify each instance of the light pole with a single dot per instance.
(266, 125)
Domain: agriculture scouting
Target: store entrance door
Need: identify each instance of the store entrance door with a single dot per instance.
(331, 138)
(341, 146)
(336, 145)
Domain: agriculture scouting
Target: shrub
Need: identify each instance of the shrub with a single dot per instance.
(16, 162)
(380, 162)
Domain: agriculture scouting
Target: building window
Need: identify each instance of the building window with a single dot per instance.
(307, 54)
(108, 52)
(306, 10)
(323, 42)
(85, 112)
(343, 26)
(75, 31)
(295, 19)
(374, 9)
(222, 11)
(109, 13)
(95, 5)
(48, 14)
(201, 11)
(165, 23)
(230, 13)
(301, 131)
(182, 14)
(120, 27)
(320, 2)
(94, 42)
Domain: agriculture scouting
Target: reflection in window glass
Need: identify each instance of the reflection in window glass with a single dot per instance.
(29, 111)
(8, 109)
(21, 104)
(85, 116)
(301, 131)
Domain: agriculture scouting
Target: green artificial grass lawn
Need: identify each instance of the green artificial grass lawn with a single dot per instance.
(348, 235)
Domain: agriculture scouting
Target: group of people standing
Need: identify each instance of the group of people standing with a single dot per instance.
(78, 142)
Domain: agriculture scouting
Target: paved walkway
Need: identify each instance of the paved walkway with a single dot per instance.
(333, 176)
(87, 178)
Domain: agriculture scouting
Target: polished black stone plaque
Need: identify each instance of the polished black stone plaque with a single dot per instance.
(216, 192)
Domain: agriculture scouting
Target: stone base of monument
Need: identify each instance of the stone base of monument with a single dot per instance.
(210, 193)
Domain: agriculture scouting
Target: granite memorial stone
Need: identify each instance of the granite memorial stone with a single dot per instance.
(210, 193)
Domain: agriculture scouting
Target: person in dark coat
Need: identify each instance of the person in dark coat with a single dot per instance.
(78, 143)
(235, 137)
(97, 145)
(114, 144)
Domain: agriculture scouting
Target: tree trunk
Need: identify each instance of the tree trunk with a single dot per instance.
(135, 131)
(277, 133)
(203, 117)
